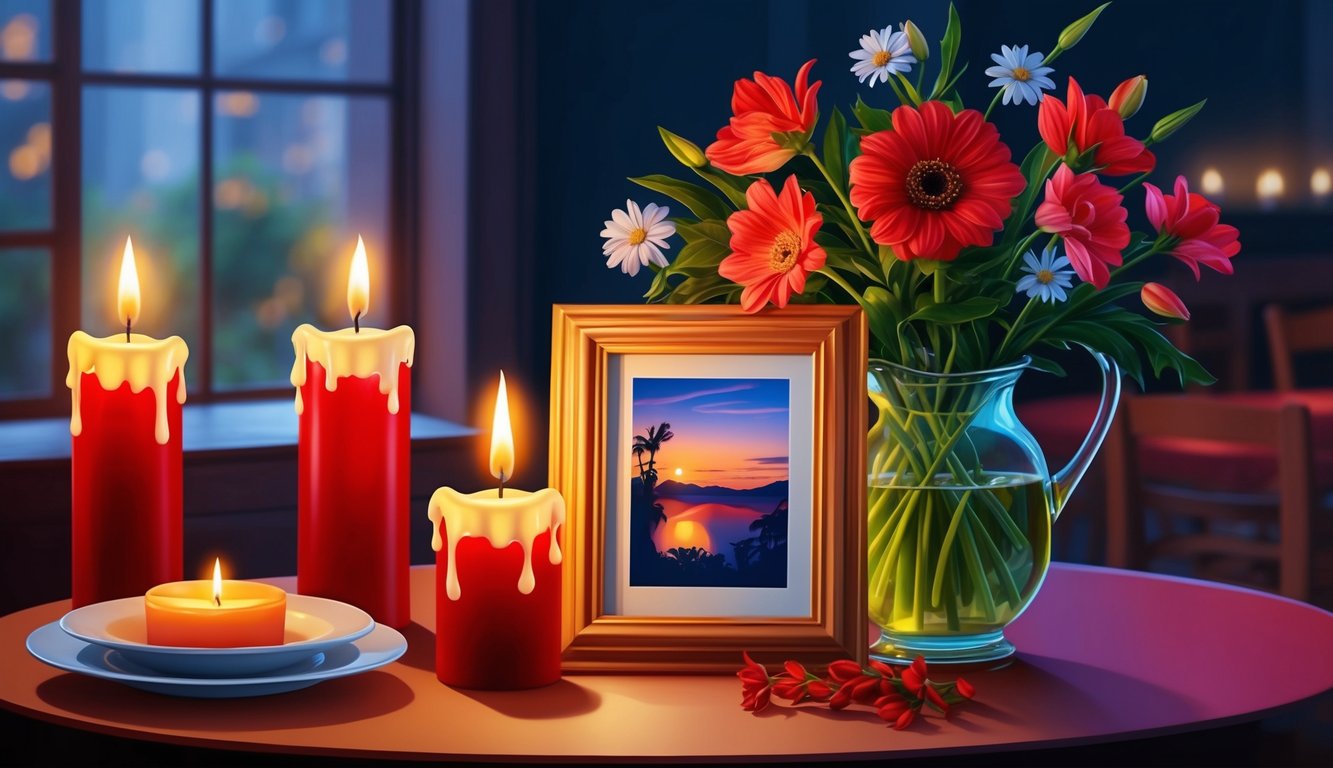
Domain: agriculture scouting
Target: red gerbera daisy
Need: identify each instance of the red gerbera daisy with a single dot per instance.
(1087, 122)
(1192, 218)
(1087, 215)
(936, 183)
(773, 244)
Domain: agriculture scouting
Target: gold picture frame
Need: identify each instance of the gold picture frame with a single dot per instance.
(588, 342)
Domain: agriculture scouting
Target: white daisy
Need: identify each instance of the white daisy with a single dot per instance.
(881, 54)
(1047, 277)
(634, 238)
(1020, 74)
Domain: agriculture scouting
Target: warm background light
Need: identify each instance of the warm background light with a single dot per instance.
(502, 436)
(1269, 185)
(1320, 182)
(127, 296)
(358, 282)
(1211, 182)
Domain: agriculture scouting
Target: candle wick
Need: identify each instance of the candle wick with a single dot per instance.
(501, 495)
(218, 600)
(127, 330)
(356, 322)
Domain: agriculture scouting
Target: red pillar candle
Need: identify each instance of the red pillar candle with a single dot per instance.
(498, 585)
(125, 426)
(353, 398)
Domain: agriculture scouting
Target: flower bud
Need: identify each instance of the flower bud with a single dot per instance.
(1163, 301)
(1128, 96)
(684, 150)
(1075, 32)
(920, 48)
(1174, 122)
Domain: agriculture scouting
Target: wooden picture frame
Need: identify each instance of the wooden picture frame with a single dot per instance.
(592, 348)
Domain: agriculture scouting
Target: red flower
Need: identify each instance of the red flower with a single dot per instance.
(1089, 218)
(773, 244)
(895, 709)
(1087, 122)
(964, 688)
(762, 107)
(756, 687)
(914, 677)
(936, 183)
(843, 670)
(1164, 301)
(1192, 219)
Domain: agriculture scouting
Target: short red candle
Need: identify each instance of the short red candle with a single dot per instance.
(125, 455)
(489, 633)
(497, 566)
(354, 399)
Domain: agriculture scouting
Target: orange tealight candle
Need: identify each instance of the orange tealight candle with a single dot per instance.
(215, 614)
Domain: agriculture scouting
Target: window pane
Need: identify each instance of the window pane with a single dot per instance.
(296, 179)
(345, 40)
(25, 140)
(157, 36)
(141, 179)
(25, 316)
(25, 30)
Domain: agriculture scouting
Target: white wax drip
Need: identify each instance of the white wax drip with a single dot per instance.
(143, 361)
(519, 516)
(347, 353)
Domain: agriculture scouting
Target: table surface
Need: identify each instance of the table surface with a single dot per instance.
(1103, 655)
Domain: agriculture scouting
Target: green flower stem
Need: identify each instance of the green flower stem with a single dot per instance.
(1018, 253)
(1001, 568)
(912, 93)
(1013, 329)
(1137, 180)
(946, 545)
(972, 559)
(993, 102)
(921, 593)
(847, 204)
(833, 276)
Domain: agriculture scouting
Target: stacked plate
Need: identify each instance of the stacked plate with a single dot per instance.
(325, 639)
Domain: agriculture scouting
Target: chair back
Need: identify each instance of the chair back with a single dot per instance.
(1294, 333)
(1229, 522)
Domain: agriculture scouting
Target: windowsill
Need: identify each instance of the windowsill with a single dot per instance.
(213, 427)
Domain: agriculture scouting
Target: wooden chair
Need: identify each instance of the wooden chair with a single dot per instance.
(1181, 457)
(1293, 333)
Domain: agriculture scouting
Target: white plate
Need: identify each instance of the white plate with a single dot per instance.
(383, 645)
(314, 624)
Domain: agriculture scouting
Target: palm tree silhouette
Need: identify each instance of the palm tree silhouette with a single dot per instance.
(651, 445)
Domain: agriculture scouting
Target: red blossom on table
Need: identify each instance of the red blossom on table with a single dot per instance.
(897, 697)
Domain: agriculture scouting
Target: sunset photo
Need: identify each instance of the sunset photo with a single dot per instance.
(709, 473)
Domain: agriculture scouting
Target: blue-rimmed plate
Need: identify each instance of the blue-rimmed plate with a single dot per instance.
(383, 645)
(314, 624)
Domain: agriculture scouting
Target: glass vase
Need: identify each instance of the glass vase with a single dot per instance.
(960, 508)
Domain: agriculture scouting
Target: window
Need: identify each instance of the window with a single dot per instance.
(242, 144)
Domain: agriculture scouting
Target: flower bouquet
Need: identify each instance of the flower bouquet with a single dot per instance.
(971, 268)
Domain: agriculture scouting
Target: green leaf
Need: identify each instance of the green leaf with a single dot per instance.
(883, 313)
(700, 253)
(953, 35)
(732, 186)
(1046, 365)
(697, 290)
(835, 135)
(953, 312)
(872, 118)
(700, 201)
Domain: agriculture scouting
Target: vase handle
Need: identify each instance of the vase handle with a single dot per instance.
(1066, 480)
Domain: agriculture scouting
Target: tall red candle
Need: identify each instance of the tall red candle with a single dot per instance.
(353, 397)
(125, 427)
(498, 580)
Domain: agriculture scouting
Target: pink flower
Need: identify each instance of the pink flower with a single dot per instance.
(1089, 218)
(1164, 301)
(762, 107)
(1192, 220)
(1089, 123)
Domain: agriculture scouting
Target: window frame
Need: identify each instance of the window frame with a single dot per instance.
(63, 240)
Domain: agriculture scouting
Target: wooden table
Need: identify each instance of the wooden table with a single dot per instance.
(1103, 655)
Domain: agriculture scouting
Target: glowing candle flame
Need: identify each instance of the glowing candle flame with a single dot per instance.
(1320, 182)
(217, 581)
(358, 283)
(1212, 182)
(1269, 185)
(502, 437)
(127, 297)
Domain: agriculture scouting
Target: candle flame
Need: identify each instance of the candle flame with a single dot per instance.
(217, 581)
(1212, 182)
(358, 282)
(502, 436)
(1269, 184)
(1321, 183)
(127, 297)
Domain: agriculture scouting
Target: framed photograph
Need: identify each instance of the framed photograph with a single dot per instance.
(713, 469)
